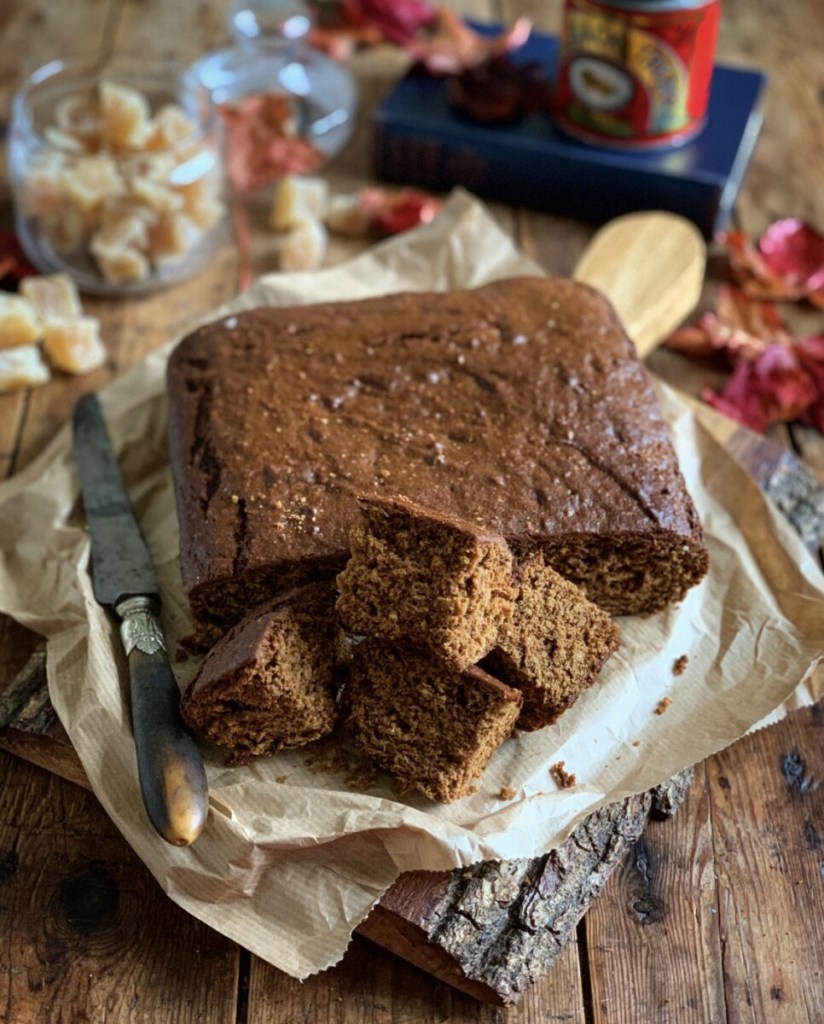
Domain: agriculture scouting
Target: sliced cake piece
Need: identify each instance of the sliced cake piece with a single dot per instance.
(270, 682)
(553, 647)
(428, 580)
(433, 727)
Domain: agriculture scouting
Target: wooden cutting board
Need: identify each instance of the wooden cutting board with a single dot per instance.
(432, 918)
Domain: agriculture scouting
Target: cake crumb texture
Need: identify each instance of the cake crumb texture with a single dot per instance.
(269, 683)
(433, 727)
(554, 646)
(427, 580)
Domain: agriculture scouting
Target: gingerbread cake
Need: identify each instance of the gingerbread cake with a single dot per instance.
(433, 582)
(270, 682)
(519, 406)
(433, 727)
(554, 645)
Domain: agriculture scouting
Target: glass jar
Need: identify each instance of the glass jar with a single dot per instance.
(271, 59)
(117, 177)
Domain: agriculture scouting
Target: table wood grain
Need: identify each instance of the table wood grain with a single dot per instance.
(715, 916)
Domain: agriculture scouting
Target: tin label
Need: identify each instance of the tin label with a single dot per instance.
(635, 77)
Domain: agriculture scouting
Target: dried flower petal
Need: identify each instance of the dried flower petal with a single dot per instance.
(810, 352)
(261, 142)
(400, 21)
(740, 328)
(452, 45)
(499, 90)
(772, 388)
(394, 211)
(788, 263)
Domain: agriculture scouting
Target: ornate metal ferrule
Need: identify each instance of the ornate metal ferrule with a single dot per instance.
(140, 628)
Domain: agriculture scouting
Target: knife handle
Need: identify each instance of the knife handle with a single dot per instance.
(169, 765)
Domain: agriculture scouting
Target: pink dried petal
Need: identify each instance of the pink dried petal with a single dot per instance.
(452, 45)
(392, 211)
(400, 21)
(810, 352)
(794, 251)
(772, 388)
(740, 328)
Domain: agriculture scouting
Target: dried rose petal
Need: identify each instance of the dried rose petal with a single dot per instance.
(810, 352)
(394, 211)
(261, 144)
(788, 263)
(499, 90)
(452, 45)
(399, 20)
(772, 388)
(740, 328)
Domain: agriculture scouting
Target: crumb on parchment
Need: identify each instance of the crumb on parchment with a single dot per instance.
(680, 664)
(506, 793)
(564, 778)
(636, 743)
(662, 705)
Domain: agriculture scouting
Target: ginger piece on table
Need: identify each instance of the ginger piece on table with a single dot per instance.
(73, 343)
(298, 199)
(345, 215)
(92, 180)
(18, 321)
(125, 114)
(52, 295)
(22, 367)
(304, 247)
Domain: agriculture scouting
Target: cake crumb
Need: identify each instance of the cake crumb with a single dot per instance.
(636, 743)
(662, 706)
(564, 778)
(281, 779)
(506, 793)
(680, 664)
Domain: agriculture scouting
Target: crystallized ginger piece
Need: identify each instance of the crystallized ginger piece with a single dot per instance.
(170, 125)
(201, 200)
(172, 235)
(43, 187)
(63, 140)
(66, 228)
(157, 197)
(79, 116)
(18, 321)
(298, 199)
(304, 247)
(22, 367)
(122, 227)
(125, 114)
(52, 295)
(73, 343)
(118, 265)
(345, 215)
(91, 180)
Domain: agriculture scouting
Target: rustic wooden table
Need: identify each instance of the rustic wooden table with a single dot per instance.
(716, 916)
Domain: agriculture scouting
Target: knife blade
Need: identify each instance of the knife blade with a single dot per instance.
(170, 768)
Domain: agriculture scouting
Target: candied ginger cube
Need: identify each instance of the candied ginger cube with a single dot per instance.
(52, 295)
(125, 117)
(91, 180)
(122, 226)
(201, 200)
(43, 186)
(346, 216)
(156, 197)
(22, 367)
(170, 124)
(172, 235)
(66, 228)
(298, 199)
(304, 247)
(73, 343)
(18, 321)
(118, 265)
(79, 116)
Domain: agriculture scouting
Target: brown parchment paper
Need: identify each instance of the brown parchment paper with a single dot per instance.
(292, 859)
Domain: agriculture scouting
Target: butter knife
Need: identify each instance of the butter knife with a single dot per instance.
(169, 765)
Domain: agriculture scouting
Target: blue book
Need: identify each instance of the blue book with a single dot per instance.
(420, 140)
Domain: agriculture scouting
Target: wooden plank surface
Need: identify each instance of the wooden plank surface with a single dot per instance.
(86, 933)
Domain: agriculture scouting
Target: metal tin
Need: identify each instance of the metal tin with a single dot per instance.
(635, 74)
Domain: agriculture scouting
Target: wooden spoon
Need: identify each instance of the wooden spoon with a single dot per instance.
(651, 267)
